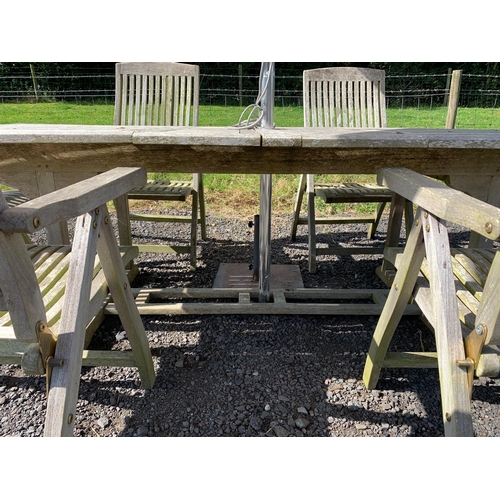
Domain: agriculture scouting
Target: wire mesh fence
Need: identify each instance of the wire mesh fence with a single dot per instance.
(413, 100)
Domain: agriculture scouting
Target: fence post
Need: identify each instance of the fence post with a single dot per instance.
(35, 85)
(447, 91)
(240, 79)
(454, 95)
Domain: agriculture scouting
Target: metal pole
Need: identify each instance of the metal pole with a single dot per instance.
(267, 91)
(265, 238)
(256, 243)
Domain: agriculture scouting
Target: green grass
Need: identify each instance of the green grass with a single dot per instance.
(237, 193)
(102, 114)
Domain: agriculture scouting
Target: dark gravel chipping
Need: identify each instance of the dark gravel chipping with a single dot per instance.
(249, 375)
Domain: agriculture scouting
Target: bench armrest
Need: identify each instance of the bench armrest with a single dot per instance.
(71, 201)
(443, 201)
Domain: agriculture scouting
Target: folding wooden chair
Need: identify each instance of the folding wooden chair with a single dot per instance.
(50, 295)
(164, 94)
(457, 291)
(341, 97)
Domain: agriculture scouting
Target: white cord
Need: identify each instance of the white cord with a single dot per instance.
(248, 123)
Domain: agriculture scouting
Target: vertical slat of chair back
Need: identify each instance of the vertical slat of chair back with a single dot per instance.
(344, 97)
(156, 94)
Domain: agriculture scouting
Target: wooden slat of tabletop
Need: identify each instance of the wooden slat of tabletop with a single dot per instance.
(33, 133)
(305, 137)
(196, 136)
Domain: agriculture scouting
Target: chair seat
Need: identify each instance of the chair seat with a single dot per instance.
(51, 263)
(470, 270)
(162, 190)
(347, 192)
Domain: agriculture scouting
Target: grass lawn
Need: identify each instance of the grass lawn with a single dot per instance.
(240, 194)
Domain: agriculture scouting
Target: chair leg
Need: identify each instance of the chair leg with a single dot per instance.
(377, 216)
(396, 210)
(298, 204)
(409, 216)
(397, 300)
(123, 217)
(311, 223)
(453, 381)
(194, 231)
(65, 380)
(203, 221)
(114, 272)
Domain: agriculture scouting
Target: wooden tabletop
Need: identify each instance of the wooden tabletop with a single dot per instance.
(306, 137)
(73, 152)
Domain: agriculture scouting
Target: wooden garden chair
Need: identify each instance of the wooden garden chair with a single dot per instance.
(341, 97)
(164, 94)
(457, 291)
(51, 295)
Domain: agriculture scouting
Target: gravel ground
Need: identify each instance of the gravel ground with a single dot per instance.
(245, 375)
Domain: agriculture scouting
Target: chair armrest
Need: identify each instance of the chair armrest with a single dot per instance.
(443, 201)
(71, 201)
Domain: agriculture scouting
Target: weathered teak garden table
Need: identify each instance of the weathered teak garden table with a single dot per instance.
(37, 158)
(40, 158)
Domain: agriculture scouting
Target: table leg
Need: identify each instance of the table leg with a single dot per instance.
(482, 187)
(57, 234)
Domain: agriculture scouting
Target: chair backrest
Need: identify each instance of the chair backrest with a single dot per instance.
(156, 94)
(344, 97)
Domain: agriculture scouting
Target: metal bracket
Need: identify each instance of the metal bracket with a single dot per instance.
(473, 344)
(47, 342)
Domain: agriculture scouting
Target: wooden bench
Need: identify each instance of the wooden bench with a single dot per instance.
(52, 298)
(457, 291)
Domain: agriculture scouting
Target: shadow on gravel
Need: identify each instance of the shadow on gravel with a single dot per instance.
(269, 375)
(266, 376)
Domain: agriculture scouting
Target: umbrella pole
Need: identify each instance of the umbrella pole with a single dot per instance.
(267, 92)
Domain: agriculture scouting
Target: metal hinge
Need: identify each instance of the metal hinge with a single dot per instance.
(47, 344)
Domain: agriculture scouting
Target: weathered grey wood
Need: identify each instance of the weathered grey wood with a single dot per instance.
(178, 249)
(165, 94)
(449, 291)
(233, 293)
(410, 360)
(397, 300)
(75, 152)
(123, 299)
(64, 385)
(19, 284)
(70, 202)
(489, 362)
(11, 352)
(455, 400)
(451, 117)
(311, 226)
(63, 391)
(51, 267)
(489, 309)
(482, 187)
(443, 201)
(244, 298)
(296, 220)
(258, 308)
(34, 280)
(243, 302)
(122, 210)
(342, 97)
(56, 233)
